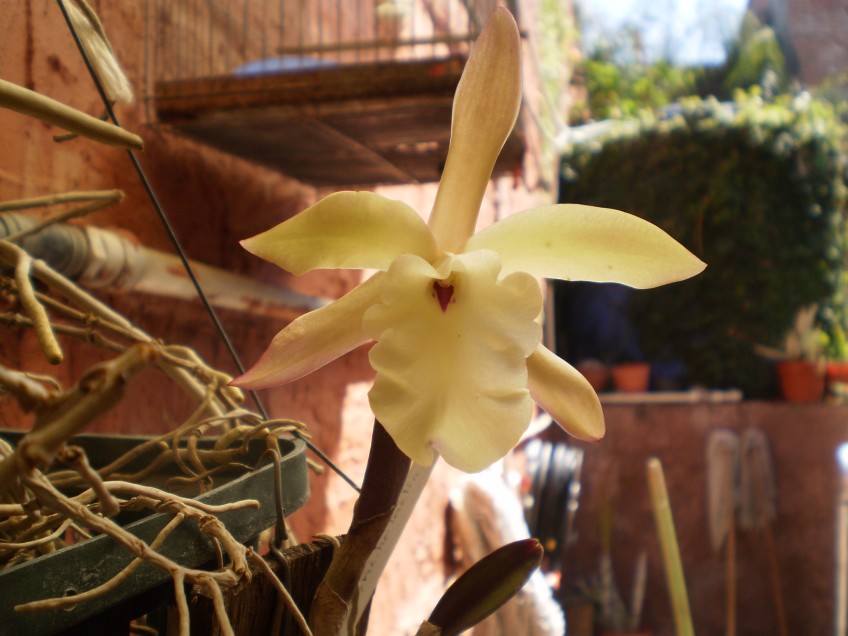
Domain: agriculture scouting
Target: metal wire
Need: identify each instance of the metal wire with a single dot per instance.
(178, 247)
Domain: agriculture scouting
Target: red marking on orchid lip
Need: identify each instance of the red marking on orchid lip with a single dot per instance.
(444, 293)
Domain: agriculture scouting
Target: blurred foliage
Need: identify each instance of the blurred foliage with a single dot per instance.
(616, 91)
(757, 191)
(618, 85)
(754, 59)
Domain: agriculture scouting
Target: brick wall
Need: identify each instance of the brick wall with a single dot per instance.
(815, 31)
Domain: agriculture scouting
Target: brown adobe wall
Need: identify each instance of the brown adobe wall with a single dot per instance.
(803, 440)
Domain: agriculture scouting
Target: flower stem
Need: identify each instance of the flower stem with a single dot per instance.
(413, 486)
(389, 492)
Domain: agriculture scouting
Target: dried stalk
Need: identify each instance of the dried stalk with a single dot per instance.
(29, 393)
(73, 213)
(35, 310)
(108, 586)
(97, 391)
(86, 335)
(60, 198)
(173, 365)
(34, 104)
(75, 457)
(182, 604)
(282, 591)
(52, 498)
(25, 545)
(155, 494)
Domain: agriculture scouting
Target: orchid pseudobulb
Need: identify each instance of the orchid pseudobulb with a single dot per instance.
(458, 354)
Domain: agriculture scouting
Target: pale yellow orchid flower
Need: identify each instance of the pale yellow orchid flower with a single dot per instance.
(458, 351)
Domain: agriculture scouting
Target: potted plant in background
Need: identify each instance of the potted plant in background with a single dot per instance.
(596, 372)
(836, 371)
(801, 362)
(631, 376)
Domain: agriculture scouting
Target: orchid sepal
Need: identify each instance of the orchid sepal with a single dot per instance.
(485, 109)
(566, 395)
(587, 243)
(352, 230)
(314, 339)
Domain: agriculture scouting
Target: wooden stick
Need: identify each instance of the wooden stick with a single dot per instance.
(34, 104)
(730, 555)
(74, 196)
(670, 549)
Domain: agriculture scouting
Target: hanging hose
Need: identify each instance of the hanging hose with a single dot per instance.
(94, 257)
(98, 258)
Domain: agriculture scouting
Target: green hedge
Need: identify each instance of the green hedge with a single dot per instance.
(757, 191)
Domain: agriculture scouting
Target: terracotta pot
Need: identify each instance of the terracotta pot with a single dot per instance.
(801, 381)
(596, 373)
(837, 373)
(631, 377)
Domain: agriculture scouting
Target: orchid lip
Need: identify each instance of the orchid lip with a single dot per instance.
(443, 293)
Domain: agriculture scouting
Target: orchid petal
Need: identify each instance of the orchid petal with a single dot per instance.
(314, 339)
(581, 242)
(454, 380)
(357, 230)
(566, 395)
(484, 112)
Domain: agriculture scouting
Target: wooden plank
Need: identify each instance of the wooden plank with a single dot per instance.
(251, 606)
(353, 126)
(180, 99)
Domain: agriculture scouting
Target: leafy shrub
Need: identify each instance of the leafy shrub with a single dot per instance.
(757, 191)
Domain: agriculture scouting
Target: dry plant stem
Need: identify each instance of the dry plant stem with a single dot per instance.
(155, 494)
(223, 457)
(54, 499)
(30, 103)
(97, 391)
(11, 510)
(187, 427)
(282, 591)
(87, 335)
(9, 255)
(90, 320)
(75, 457)
(166, 443)
(35, 311)
(182, 604)
(59, 218)
(208, 525)
(66, 216)
(63, 197)
(29, 393)
(385, 473)
(173, 482)
(219, 606)
(111, 584)
(24, 545)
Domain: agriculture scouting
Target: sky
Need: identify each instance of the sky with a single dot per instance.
(685, 31)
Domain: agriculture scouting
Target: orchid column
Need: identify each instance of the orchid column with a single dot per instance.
(458, 354)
